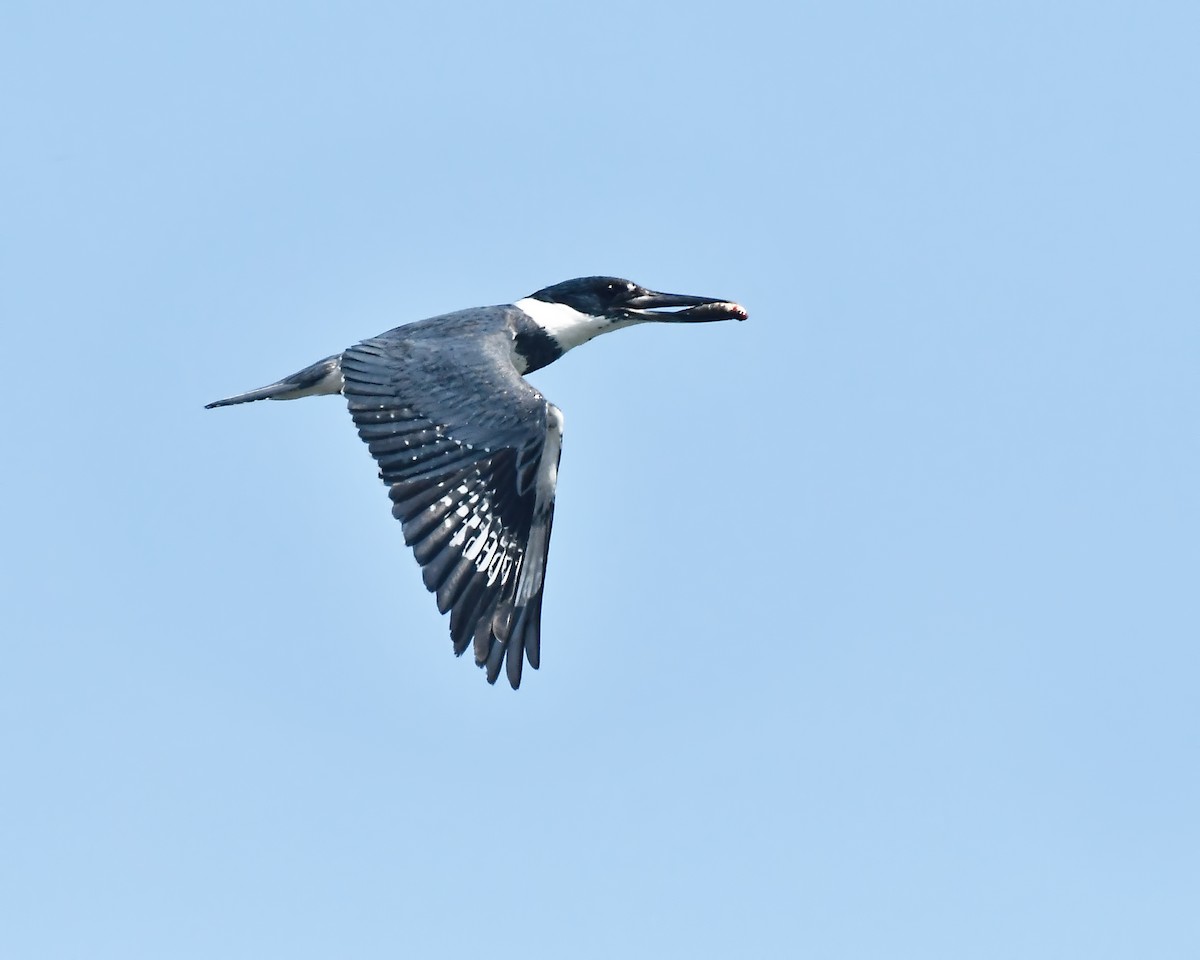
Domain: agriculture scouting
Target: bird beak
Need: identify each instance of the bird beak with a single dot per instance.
(657, 306)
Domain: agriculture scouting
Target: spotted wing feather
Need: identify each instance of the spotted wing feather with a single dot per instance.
(461, 441)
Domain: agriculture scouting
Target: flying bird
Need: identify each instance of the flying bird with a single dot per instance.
(470, 450)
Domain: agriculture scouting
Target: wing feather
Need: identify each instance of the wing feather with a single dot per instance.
(469, 451)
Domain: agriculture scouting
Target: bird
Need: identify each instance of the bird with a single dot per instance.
(469, 449)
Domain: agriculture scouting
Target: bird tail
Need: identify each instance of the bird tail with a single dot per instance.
(323, 377)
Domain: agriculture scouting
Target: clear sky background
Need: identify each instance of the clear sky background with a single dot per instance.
(871, 623)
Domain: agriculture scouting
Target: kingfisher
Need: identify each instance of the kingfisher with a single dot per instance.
(469, 449)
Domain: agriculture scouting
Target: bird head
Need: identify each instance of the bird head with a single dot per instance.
(624, 301)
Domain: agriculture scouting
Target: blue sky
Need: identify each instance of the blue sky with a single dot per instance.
(871, 623)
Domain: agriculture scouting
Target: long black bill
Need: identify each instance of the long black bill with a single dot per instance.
(696, 309)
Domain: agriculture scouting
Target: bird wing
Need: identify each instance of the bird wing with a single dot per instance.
(470, 451)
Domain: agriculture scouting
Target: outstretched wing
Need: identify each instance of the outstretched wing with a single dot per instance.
(470, 452)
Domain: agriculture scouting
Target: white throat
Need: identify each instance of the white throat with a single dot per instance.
(567, 325)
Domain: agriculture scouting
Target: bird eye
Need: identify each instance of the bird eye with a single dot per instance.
(615, 290)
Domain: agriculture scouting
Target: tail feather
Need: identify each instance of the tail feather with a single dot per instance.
(262, 393)
(323, 377)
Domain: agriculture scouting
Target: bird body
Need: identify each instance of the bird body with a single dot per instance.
(470, 450)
